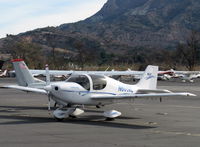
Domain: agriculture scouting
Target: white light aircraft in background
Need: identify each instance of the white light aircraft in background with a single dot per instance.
(186, 75)
(183, 75)
(4, 73)
(89, 89)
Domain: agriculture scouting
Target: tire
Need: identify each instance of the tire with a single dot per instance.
(59, 119)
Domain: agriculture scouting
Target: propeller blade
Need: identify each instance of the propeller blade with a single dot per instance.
(49, 102)
(47, 75)
(48, 88)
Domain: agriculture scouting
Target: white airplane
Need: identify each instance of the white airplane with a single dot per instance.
(187, 75)
(89, 89)
(184, 75)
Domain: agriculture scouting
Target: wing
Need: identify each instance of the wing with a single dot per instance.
(132, 96)
(27, 89)
(51, 72)
(67, 72)
(145, 91)
(186, 72)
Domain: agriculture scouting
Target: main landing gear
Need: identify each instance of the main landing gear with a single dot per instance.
(62, 113)
(111, 114)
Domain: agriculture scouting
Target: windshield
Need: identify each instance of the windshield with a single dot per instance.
(99, 82)
(81, 80)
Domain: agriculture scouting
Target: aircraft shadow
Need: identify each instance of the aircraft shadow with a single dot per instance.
(13, 109)
(16, 108)
(89, 120)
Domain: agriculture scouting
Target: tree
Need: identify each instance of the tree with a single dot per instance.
(51, 42)
(188, 53)
(22, 48)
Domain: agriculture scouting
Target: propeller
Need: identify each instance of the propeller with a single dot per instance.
(48, 86)
(47, 74)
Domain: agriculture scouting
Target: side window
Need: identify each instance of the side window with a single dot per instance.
(81, 80)
(99, 82)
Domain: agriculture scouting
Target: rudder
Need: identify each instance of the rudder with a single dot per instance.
(149, 78)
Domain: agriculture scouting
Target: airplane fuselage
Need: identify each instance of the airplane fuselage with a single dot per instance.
(74, 93)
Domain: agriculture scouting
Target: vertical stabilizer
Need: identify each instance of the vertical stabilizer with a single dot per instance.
(149, 78)
(24, 77)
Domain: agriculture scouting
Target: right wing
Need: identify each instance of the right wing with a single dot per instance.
(146, 91)
(132, 96)
(27, 89)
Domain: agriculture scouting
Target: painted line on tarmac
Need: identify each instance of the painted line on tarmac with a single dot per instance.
(176, 133)
(177, 106)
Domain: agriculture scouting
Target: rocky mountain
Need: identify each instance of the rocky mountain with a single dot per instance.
(123, 25)
(156, 23)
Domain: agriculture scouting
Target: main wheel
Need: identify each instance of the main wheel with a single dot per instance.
(59, 119)
(109, 119)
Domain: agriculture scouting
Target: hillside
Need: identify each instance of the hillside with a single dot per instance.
(121, 27)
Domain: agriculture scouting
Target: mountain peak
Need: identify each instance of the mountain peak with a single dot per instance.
(115, 8)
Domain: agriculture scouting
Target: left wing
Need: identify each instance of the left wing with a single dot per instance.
(27, 89)
(67, 72)
(132, 96)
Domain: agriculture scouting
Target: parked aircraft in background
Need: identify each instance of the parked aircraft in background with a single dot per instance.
(186, 75)
(183, 75)
(4, 73)
(80, 90)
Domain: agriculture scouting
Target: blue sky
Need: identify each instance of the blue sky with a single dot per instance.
(23, 15)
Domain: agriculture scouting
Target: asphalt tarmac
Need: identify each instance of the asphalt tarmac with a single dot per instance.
(25, 121)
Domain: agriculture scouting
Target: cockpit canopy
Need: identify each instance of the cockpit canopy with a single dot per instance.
(89, 82)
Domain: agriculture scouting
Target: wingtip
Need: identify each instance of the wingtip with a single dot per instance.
(191, 94)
